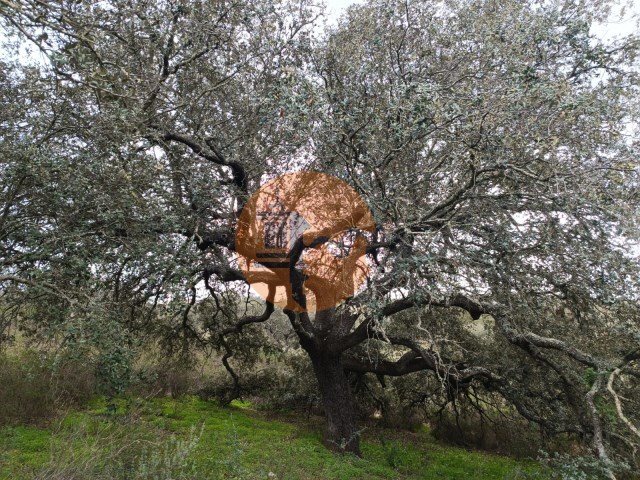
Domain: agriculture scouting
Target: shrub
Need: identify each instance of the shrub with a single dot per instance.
(113, 451)
(35, 387)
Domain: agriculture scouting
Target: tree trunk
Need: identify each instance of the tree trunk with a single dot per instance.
(340, 433)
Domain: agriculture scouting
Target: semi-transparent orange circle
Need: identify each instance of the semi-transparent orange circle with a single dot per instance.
(314, 210)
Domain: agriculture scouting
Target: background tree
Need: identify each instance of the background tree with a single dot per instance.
(494, 142)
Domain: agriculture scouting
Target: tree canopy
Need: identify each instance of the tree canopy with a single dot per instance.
(495, 144)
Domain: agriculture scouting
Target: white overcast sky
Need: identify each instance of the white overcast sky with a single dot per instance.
(335, 7)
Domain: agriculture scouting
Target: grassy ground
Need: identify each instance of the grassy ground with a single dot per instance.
(193, 439)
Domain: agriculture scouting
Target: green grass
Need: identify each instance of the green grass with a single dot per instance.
(108, 441)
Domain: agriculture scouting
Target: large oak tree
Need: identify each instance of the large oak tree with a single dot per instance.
(494, 143)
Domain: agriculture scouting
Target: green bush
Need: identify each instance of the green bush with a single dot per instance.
(35, 387)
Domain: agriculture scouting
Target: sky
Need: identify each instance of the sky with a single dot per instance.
(335, 7)
(616, 27)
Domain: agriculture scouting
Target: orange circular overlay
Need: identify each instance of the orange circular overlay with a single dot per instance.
(301, 241)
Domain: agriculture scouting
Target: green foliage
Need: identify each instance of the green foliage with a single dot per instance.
(394, 453)
(571, 467)
(35, 386)
(589, 376)
(229, 443)
(172, 461)
(25, 395)
(233, 464)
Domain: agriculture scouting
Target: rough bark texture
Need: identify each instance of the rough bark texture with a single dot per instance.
(340, 432)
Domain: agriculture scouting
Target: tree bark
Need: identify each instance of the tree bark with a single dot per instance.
(341, 432)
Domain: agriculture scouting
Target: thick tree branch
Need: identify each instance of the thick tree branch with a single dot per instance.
(366, 329)
(237, 171)
(525, 339)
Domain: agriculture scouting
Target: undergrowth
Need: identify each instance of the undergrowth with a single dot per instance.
(188, 438)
